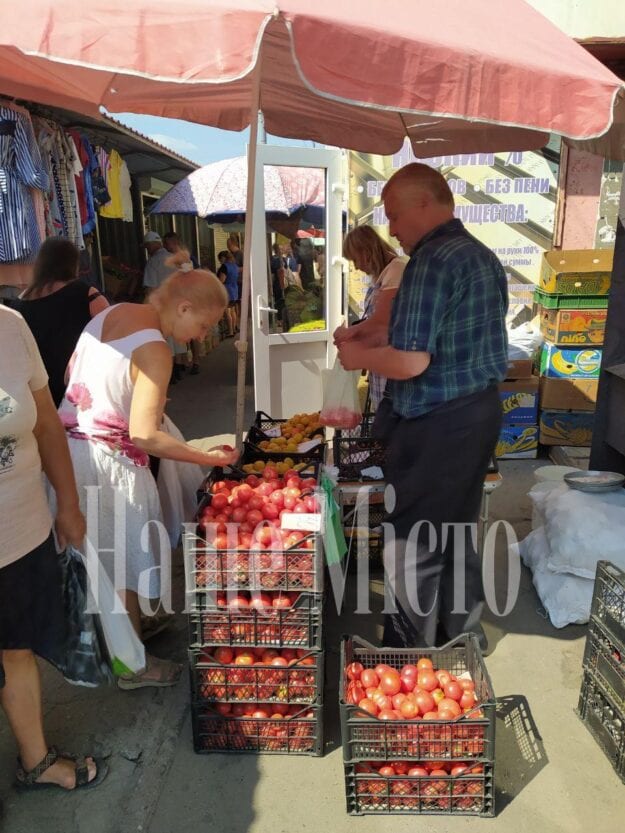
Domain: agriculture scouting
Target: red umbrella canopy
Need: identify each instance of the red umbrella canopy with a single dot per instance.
(360, 73)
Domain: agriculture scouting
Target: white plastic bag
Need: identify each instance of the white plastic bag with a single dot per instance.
(566, 598)
(341, 403)
(584, 528)
(125, 649)
(177, 485)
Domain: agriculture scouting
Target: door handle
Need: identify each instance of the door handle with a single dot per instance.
(260, 307)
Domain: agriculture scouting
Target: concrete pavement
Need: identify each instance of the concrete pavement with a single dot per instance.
(550, 775)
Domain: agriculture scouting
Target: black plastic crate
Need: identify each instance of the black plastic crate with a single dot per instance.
(368, 792)
(608, 603)
(213, 682)
(255, 436)
(298, 626)
(604, 720)
(298, 568)
(298, 734)
(355, 449)
(606, 661)
(470, 737)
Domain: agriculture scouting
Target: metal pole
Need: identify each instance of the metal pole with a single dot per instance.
(242, 343)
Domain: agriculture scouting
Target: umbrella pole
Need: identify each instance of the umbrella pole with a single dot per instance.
(242, 343)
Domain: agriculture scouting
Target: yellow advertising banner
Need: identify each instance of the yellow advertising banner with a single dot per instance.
(506, 200)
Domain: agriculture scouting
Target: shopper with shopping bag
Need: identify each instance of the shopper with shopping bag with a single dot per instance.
(32, 620)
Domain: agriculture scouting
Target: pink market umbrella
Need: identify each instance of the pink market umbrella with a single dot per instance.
(218, 191)
(361, 74)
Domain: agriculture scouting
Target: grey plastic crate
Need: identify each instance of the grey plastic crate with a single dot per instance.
(365, 738)
(299, 626)
(606, 661)
(301, 734)
(608, 603)
(369, 793)
(604, 720)
(212, 682)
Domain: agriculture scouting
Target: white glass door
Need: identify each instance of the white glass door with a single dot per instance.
(296, 275)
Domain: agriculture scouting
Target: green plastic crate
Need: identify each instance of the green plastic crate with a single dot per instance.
(550, 301)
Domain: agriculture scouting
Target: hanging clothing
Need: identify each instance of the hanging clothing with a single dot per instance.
(20, 168)
(118, 184)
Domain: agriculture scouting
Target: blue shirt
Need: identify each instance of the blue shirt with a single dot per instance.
(231, 271)
(452, 304)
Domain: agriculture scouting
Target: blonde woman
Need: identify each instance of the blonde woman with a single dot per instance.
(377, 258)
(113, 415)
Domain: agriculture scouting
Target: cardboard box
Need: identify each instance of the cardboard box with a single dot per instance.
(517, 442)
(519, 369)
(577, 272)
(568, 394)
(569, 363)
(519, 401)
(573, 326)
(566, 427)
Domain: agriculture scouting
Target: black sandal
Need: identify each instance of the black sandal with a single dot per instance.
(28, 780)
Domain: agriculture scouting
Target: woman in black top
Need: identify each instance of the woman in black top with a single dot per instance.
(57, 307)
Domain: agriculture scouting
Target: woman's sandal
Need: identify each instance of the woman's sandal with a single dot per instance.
(169, 674)
(25, 781)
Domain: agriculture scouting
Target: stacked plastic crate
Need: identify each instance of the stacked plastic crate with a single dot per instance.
(256, 635)
(418, 766)
(572, 302)
(358, 458)
(602, 696)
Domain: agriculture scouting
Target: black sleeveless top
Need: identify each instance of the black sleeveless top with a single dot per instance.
(56, 321)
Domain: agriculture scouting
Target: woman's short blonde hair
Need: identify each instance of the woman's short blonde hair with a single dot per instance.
(364, 240)
(201, 288)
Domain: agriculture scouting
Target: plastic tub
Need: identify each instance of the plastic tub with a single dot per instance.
(546, 474)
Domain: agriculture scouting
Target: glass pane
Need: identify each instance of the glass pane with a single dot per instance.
(296, 251)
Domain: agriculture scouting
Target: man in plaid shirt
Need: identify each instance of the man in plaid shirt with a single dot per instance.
(444, 353)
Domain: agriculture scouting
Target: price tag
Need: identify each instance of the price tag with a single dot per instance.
(306, 521)
(272, 432)
(309, 444)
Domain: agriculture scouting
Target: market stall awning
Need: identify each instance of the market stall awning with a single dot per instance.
(355, 74)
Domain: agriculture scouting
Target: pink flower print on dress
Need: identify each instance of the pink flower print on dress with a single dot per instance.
(78, 394)
(112, 421)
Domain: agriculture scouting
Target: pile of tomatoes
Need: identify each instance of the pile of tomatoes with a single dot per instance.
(258, 674)
(415, 692)
(413, 785)
(262, 618)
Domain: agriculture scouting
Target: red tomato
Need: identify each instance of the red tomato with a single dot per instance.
(453, 691)
(254, 517)
(255, 502)
(238, 515)
(443, 677)
(380, 668)
(387, 771)
(427, 681)
(446, 704)
(224, 656)
(281, 602)
(390, 682)
(223, 708)
(401, 767)
(409, 709)
(289, 502)
(238, 602)
(425, 702)
(418, 772)
(355, 693)
(354, 670)
(300, 508)
(438, 694)
(369, 706)
(292, 491)
(459, 769)
(220, 542)
(252, 480)
(467, 701)
(280, 661)
(219, 501)
(269, 473)
(260, 714)
(387, 714)
(244, 659)
(277, 498)
(369, 678)
(398, 699)
(268, 655)
(466, 685)
(425, 664)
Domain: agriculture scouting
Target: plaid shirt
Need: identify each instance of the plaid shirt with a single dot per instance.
(452, 304)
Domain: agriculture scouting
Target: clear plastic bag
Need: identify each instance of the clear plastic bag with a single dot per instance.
(82, 661)
(341, 402)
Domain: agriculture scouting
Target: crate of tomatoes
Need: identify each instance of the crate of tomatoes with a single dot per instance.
(257, 533)
(416, 703)
(269, 618)
(288, 676)
(272, 728)
(420, 787)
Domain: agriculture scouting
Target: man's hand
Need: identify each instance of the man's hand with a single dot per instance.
(70, 527)
(343, 333)
(350, 355)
